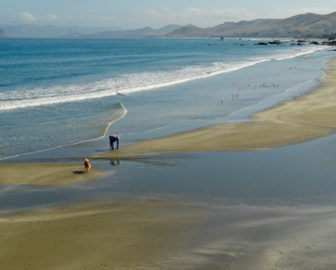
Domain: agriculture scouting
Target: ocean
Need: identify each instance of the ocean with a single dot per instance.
(62, 92)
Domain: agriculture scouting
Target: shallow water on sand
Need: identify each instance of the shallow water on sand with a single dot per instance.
(285, 176)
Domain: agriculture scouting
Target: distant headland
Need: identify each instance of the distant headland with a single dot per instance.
(309, 25)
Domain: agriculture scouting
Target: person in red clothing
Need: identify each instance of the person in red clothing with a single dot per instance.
(87, 165)
(114, 138)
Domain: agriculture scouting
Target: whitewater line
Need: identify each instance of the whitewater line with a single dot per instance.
(104, 88)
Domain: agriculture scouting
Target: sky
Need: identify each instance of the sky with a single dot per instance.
(130, 14)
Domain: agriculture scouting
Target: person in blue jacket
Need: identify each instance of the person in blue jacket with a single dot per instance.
(114, 138)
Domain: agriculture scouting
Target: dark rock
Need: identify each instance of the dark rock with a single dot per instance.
(314, 43)
(275, 42)
(262, 43)
(329, 43)
(300, 41)
(299, 44)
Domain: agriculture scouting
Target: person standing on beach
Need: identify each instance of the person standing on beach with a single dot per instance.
(87, 165)
(114, 138)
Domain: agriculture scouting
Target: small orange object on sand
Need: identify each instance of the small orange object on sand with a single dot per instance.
(87, 164)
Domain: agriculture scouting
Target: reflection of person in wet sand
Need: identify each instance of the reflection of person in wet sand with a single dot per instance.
(115, 162)
(87, 165)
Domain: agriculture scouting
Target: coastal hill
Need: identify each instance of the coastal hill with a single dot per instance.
(307, 25)
(140, 32)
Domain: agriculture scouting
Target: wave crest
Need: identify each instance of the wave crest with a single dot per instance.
(130, 83)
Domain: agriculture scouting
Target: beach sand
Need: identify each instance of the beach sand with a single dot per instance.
(160, 235)
(265, 238)
(302, 119)
(97, 235)
(45, 174)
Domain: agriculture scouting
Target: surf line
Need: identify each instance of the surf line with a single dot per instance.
(103, 88)
(72, 144)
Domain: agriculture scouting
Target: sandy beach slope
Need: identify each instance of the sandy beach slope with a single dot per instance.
(45, 174)
(158, 235)
(265, 238)
(301, 119)
(100, 235)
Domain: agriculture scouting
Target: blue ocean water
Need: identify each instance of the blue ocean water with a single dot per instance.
(57, 92)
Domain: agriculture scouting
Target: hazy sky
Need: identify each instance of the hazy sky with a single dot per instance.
(139, 13)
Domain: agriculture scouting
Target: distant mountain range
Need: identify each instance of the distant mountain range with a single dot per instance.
(308, 25)
(140, 32)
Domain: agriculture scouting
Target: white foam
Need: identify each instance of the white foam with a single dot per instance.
(130, 83)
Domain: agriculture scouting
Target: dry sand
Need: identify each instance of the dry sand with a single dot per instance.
(45, 174)
(301, 119)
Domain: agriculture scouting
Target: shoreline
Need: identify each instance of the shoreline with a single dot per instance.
(301, 119)
(189, 75)
(304, 118)
(45, 174)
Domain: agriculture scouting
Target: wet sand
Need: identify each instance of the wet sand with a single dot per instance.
(266, 238)
(45, 174)
(305, 118)
(158, 235)
(97, 235)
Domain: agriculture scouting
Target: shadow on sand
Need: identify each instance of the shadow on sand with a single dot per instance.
(79, 172)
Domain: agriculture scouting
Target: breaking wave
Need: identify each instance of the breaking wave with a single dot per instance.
(130, 83)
